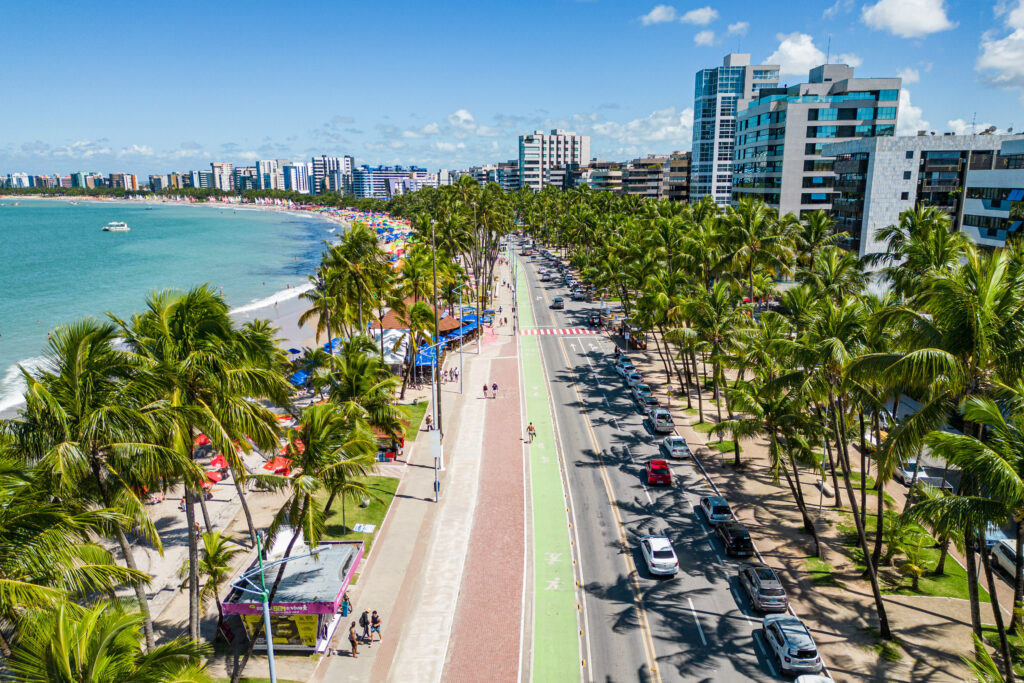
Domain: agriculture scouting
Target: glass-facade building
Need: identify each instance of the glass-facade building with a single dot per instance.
(717, 95)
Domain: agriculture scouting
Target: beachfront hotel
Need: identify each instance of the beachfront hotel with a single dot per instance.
(539, 154)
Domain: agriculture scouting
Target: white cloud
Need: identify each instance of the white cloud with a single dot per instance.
(961, 127)
(659, 15)
(739, 28)
(449, 146)
(700, 17)
(462, 119)
(1004, 57)
(669, 126)
(797, 54)
(909, 75)
(910, 119)
(429, 129)
(704, 38)
(907, 18)
(136, 151)
(837, 7)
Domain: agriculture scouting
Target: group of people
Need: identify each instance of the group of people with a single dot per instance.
(370, 623)
(494, 390)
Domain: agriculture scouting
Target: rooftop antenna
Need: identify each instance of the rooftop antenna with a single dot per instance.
(974, 117)
(828, 50)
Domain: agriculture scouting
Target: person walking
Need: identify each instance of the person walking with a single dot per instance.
(494, 390)
(364, 622)
(430, 423)
(375, 624)
(353, 642)
(485, 391)
(531, 432)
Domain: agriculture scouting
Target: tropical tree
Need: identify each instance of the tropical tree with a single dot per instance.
(215, 567)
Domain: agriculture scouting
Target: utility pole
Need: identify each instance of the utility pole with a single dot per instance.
(437, 340)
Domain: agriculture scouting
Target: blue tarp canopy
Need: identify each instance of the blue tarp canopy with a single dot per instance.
(299, 378)
(425, 357)
(469, 309)
(468, 328)
(294, 351)
(336, 343)
(468, 319)
(1016, 195)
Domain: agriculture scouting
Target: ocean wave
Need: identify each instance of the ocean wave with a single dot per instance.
(12, 386)
(276, 297)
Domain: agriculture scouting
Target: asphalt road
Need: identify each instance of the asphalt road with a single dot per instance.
(697, 626)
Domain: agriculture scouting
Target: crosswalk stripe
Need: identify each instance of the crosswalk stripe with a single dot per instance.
(567, 331)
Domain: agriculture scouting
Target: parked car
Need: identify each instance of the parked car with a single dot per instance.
(657, 473)
(905, 472)
(640, 391)
(791, 642)
(558, 303)
(1004, 553)
(715, 509)
(659, 555)
(676, 447)
(661, 421)
(648, 404)
(813, 678)
(624, 366)
(545, 277)
(763, 587)
(993, 534)
(577, 295)
(736, 539)
(595, 320)
(634, 378)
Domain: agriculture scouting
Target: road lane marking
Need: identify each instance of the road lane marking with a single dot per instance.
(696, 620)
(739, 603)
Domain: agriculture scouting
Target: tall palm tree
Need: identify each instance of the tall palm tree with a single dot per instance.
(100, 644)
(215, 567)
(757, 239)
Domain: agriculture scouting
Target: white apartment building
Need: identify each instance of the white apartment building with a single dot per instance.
(540, 153)
(222, 179)
(296, 177)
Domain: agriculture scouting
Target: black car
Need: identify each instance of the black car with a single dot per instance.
(735, 538)
(595, 320)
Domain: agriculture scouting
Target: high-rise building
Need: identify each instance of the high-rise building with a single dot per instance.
(296, 177)
(540, 153)
(645, 177)
(331, 174)
(781, 132)
(222, 176)
(968, 176)
(677, 177)
(604, 177)
(157, 183)
(174, 181)
(380, 182)
(78, 179)
(18, 180)
(716, 97)
(243, 178)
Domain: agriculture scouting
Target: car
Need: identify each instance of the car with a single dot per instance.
(558, 303)
(1004, 554)
(633, 378)
(905, 472)
(791, 642)
(813, 678)
(736, 539)
(545, 277)
(640, 391)
(595, 320)
(624, 367)
(659, 555)
(676, 447)
(763, 587)
(577, 295)
(993, 534)
(648, 404)
(715, 509)
(661, 421)
(657, 473)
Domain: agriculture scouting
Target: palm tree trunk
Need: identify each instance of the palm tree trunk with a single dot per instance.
(831, 461)
(863, 471)
(696, 378)
(844, 460)
(245, 509)
(1018, 581)
(876, 552)
(5, 646)
(1004, 645)
(140, 591)
(940, 567)
(193, 567)
(206, 513)
(972, 580)
(330, 502)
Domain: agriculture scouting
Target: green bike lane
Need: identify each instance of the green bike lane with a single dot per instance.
(556, 624)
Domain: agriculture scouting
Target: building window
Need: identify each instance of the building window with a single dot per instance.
(910, 154)
(904, 196)
(906, 175)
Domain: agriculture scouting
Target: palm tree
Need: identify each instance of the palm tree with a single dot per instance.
(208, 376)
(922, 243)
(99, 644)
(757, 239)
(816, 232)
(215, 566)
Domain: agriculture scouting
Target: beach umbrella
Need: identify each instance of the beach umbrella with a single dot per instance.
(294, 351)
(219, 461)
(213, 476)
(202, 440)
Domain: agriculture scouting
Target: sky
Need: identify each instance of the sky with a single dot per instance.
(157, 87)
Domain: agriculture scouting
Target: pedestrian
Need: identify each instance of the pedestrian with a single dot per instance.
(494, 390)
(364, 622)
(499, 309)
(531, 432)
(375, 624)
(430, 423)
(353, 642)
(485, 391)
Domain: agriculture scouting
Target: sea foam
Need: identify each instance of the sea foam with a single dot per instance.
(12, 386)
(276, 297)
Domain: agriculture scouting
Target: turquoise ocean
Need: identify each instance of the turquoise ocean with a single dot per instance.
(57, 265)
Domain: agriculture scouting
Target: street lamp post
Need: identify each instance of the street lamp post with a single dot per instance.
(437, 376)
(246, 583)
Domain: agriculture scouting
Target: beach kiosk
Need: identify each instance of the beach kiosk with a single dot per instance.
(307, 606)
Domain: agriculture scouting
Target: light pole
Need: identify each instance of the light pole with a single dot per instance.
(437, 376)
(461, 341)
(246, 583)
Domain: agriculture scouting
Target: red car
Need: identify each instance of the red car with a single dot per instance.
(658, 473)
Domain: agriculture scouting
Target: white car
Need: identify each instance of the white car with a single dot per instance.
(676, 447)
(1004, 554)
(634, 378)
(660, 556)
(905, 472)
(792, 644)
(813, 678)
(624, 367)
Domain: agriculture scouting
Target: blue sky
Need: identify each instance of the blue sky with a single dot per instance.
(154, 87)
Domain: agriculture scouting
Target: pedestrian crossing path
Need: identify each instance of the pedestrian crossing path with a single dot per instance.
(572, 331)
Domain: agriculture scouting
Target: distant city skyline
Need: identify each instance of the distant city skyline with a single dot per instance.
(438, 86)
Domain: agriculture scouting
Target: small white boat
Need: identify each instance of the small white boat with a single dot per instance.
(116, 226)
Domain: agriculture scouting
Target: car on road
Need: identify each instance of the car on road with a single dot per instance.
(993, 534)
(736, 539)
(661, 421)
(676, 447)
(659, 555)
(792, 644)
(640, 391)
(577, 295)
(1004, 553)
(763, 587)
(657, 473)
(624, 366)
(648, 404)
(634, 378)
(813, 678)
(545, 277)
(595, 320)
(558, 303)
(716, 509)
(905, 472)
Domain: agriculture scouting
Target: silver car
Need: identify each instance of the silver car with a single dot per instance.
(660, 556)
(640, 391)
(763, 587)
(676, 447)
(634, 378)
(716, 509)
(661, 421)
(648, 403)
(792, 643)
